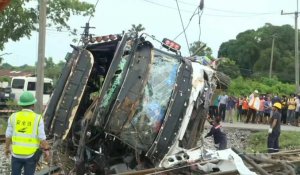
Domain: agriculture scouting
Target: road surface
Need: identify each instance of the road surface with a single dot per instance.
(259, 127)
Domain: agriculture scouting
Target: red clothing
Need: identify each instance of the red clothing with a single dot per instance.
(245, 105)
(262, 105)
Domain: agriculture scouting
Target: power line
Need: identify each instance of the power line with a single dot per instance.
(199, 23)
(237, 16)
(241, 12)
(95, 5)
(245, 14)
(55, 30)
(183, 28)
(162, 5)
(230, 11)
(187, 24)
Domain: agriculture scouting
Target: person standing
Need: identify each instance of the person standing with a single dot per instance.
(291, 109)
(253, 106)
(230, 106)
(245, 108)
(239, 109)
(274, 130)
(25, 137)
(275, 99)
(268, 109)
(213, 108)
(261, 110)
(222, 105)
(284, 109)
(220, 138)
(297, 114)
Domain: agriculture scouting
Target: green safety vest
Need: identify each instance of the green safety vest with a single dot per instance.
(25, 132)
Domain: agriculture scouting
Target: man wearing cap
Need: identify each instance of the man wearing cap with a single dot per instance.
(25, 137)
(274, 130)
(254, 103)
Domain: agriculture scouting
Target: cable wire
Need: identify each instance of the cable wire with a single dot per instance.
(241, 14)
(199, 23)
(187, 24)
(230, 11)
(94, 8)
(183, 28)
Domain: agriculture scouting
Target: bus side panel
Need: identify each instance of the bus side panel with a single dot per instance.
(56, 95)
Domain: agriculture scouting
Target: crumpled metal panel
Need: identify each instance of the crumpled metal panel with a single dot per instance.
(174, 116)
(142, 129)
(117, 82)
(55, 97)
(72, 94)
(129, 95)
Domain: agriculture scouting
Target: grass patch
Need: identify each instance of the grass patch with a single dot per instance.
(288, 140)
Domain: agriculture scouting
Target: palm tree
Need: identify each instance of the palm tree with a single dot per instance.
(136, 29)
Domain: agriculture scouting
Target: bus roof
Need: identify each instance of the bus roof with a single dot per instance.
(32, 78)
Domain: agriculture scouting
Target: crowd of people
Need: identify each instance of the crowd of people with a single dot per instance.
(255, 108)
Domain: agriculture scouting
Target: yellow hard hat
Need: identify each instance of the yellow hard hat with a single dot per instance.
(277, 105)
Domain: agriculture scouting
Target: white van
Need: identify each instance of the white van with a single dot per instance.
(21, 84)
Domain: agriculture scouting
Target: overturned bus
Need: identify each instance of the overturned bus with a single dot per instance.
(123, 105)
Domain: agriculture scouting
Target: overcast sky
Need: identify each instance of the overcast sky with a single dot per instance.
(221, 21)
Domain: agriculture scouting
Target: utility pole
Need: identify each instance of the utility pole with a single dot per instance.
(271, 63)
(41, 56)
(296, 48)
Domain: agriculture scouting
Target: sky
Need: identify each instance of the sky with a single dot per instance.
(221, 21)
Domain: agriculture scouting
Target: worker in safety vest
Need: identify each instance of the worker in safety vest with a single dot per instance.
(254, 103)
(25, 137)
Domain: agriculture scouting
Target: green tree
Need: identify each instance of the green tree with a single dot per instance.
(6, 66)
(49, 63)
(135, 29)
(245, 86)
(5, 79)
(283, 54)
(251, 51)
(228, 67)
(20, 18)
(53, 70)
(198, 49)
(244, 50)
(25, 68)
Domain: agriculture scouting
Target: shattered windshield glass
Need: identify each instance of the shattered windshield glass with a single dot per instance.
(142, 129)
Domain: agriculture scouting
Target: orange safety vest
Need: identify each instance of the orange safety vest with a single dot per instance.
(254, 103)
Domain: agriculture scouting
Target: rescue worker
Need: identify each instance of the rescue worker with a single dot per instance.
(219, 136)
(25, 137)
(274, 130)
